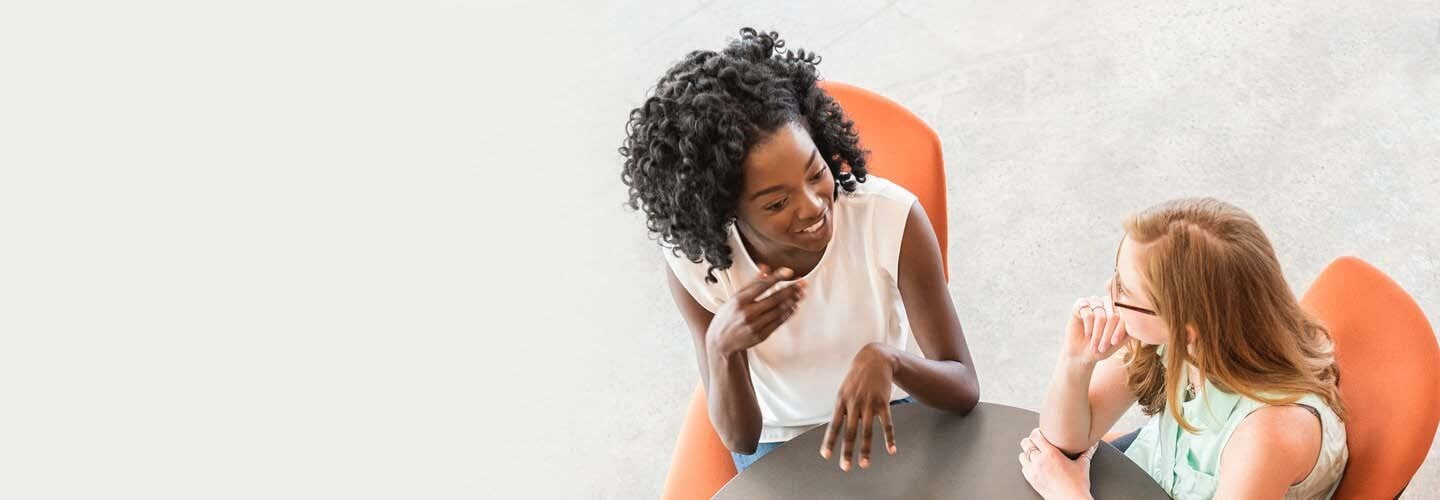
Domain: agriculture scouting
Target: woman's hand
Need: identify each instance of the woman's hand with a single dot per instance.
(748, 319)
(1094, 331)
(1053, 475)
(864, 397)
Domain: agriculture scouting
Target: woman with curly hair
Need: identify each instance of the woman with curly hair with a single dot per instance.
(802, 277)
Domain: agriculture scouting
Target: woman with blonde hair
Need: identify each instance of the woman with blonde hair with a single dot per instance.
(1239, 381)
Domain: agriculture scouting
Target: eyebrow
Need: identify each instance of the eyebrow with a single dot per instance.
(813, 154)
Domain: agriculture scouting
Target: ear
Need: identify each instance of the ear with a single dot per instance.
(1191, 334)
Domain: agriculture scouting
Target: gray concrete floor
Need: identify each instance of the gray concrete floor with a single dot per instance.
(1057, 118)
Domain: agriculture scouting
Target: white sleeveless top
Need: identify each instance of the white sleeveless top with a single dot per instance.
(852, 299)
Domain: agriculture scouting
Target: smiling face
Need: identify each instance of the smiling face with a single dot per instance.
(786, 194)
(1130, 287)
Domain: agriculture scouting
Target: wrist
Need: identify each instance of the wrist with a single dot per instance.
(882, 353)
(717, 349)
(1065, 493)
(1078, 366)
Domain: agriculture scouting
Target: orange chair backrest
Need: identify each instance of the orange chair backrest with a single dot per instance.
(1388, 360)
(902, 149)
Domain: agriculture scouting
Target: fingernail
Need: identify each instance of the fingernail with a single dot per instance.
(864, 463)
(845, 465)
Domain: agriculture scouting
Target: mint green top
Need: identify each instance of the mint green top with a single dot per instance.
(1187, 465)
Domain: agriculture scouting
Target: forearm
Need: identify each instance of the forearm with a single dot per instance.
(731, 401)
(945, 384)
(1065, 416)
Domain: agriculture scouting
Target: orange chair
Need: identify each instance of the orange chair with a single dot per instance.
(1388, 360)
(902, 149)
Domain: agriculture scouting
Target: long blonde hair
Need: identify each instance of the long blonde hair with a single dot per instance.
(1210, 266)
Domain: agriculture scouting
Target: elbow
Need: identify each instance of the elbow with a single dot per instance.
(1071, 446)
(969, 395)
(968, 402)
(743, 443)
(960, 397)
(738, 437)
(1070, 450)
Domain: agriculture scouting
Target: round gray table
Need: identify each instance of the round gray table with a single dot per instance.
(942, 455)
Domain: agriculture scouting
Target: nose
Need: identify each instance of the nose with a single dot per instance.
(812, 206)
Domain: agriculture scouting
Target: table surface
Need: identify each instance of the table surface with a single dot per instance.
(942, 455)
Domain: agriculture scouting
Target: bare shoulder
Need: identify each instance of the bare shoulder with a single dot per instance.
(1286, 428)
(1272, 449)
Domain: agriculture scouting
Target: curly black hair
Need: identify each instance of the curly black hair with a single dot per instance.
(684, 146)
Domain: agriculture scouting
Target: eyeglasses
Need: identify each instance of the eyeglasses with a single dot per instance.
(1115, 296)
(1115, 287)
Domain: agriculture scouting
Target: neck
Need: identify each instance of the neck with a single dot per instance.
(776, 256)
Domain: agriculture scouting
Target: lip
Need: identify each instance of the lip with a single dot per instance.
(816, 227)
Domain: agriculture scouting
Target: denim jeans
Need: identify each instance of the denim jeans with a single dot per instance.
(1122, 443)
(743, 462)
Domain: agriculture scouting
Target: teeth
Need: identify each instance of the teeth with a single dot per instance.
(814, 227)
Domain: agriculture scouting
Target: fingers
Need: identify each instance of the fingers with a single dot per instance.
(847, 442)
(888, 429)
(828, 444)
(764, 316)
(793, 291)
(1038, 439)
(1025, 459)
(1097, 335)
(1111, 324)
(764, 282)
(1119, 335)
(867, 425)
(769, 316)
(779, 297)
(1107, 334)
(762, 332)
(1042, 445)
